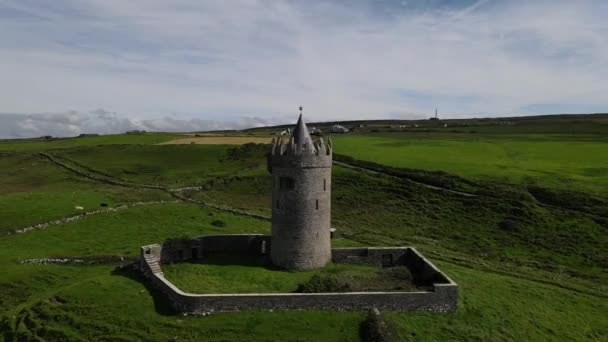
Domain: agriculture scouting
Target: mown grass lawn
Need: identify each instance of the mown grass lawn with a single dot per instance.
(229, 274)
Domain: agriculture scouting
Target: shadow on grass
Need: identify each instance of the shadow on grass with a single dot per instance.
(161, 302)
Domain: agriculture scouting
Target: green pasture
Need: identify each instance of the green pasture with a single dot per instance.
(377, 210)
(34, 190)
(526, 270)
(495, 307)
(170, 165)
(110, 139)
(96, 302)
(575, 162)
(123, 232)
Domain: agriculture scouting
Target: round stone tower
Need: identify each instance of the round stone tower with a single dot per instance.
(301, 201)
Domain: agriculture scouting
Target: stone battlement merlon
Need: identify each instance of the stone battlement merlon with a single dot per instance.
(299, 161)
(291, 154)
(280, 148)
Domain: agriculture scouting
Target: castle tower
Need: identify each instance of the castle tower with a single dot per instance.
(301, 200)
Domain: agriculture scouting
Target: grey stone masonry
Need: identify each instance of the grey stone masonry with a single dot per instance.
(436, 292)
(301, 201)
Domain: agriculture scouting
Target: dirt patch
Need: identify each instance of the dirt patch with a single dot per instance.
(217, 140)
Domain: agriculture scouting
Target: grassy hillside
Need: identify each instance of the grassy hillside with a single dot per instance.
(524, 266)
(556, 161)
(34, 190)
(170, 165)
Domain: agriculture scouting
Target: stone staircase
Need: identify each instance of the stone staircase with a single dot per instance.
(153, 264)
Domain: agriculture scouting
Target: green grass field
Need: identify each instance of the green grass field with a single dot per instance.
(225, 274)
(526, 270)
(576, 162)
(113, 139)
(34, 190)
(170, 165)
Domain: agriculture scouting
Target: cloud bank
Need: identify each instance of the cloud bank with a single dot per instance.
(217, 61)
(73, 123)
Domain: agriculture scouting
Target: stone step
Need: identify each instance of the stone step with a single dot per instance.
(153, 264)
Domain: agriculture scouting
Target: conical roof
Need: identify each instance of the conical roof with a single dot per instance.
(300, 133)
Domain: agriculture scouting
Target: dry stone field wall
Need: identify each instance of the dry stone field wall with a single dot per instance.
(97, 176)
(438, 293)
(73, 218)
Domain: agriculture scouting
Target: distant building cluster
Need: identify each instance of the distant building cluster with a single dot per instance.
(338, 129)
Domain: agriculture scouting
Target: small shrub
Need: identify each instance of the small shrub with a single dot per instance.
(318, 283)
(218, 223)
(375, 328)
(247, 151)
(509, 225)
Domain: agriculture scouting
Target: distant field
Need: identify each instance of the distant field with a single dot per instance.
(226, 140)
(559, 161)
(110, 139)
(170, 165)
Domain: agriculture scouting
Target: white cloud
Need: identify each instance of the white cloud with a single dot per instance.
(73, 123)
(222, 60)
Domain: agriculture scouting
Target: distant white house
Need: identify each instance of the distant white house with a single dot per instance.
(315, 130)
(338, 129)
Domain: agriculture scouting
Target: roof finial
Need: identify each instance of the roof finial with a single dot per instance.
(301, 110)
(300, 133)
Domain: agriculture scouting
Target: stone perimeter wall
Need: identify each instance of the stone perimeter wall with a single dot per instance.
(440, 293)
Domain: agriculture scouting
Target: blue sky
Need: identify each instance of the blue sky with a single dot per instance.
(175, 64)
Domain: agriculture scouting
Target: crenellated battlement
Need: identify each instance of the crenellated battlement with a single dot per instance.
(300, 150)
(292, 154)
(281, 148)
